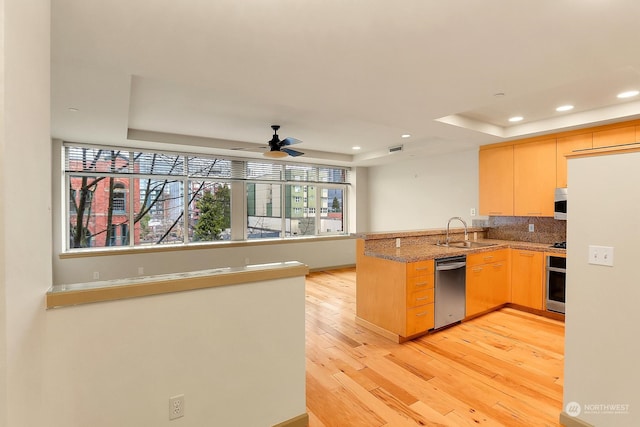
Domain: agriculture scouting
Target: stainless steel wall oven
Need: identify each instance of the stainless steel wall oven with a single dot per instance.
(556, 283)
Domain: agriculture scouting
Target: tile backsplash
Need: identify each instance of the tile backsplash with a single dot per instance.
(546, 230)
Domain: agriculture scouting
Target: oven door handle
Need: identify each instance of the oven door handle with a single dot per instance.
(557, 270)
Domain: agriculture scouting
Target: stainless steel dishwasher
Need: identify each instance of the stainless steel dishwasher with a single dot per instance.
(450, 290)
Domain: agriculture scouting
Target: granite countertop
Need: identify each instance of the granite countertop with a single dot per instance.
(377, 235)
(428, 251)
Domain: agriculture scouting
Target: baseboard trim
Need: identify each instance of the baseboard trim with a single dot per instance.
(568, 421)
(544, 313)
(333, 267)
(380, 331)
(299, 421)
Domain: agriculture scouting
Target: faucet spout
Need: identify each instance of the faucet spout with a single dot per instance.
(466, 235)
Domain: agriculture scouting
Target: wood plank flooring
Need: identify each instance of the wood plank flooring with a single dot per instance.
(502, 369)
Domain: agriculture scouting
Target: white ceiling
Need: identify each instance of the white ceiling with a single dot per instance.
(215, 74)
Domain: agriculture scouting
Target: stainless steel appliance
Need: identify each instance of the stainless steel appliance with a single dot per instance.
(560, 203)
(450, 290)
(556, 283)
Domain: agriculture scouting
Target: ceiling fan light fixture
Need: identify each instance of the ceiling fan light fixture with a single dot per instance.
(275, 154)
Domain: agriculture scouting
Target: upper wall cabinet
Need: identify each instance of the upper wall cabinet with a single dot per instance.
(566, 145)
(534, 178)
(616, 136)
(519, 179)
(496, 181)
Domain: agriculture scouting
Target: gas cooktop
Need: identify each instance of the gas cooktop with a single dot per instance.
(560, 245)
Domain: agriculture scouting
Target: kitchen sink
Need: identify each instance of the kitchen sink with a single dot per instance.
(466, 244)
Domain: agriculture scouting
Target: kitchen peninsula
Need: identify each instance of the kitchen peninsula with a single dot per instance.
(395, 278)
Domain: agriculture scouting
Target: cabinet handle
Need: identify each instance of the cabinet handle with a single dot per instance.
(525, 254)
(421, 268)
(497, 265)
(477, 269)
(422, 298)
(422, 284)
(422, 314)
(487, 258)
(495, 213)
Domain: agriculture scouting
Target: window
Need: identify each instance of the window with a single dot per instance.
(118, 198)
(264, 219)
(209, 211)
(124, 197)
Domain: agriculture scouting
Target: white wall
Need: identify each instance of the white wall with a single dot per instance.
(25, 226)
(602, 317)
(55, 364)
(3, 300)
(423, 192)
(235, 352)
(315, 254)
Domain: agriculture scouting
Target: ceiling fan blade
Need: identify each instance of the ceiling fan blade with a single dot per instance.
(292, 153)
(289, 141)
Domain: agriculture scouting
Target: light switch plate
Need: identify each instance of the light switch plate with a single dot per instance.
(601, 255)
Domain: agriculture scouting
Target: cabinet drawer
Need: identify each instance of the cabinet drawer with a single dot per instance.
(487, 257)
(420, 268)
(419, 283)
(419, 319)
(418, 298)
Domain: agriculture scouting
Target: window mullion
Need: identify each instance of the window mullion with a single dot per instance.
(283, 212)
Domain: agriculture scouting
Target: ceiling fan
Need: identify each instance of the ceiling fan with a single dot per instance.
(278, 148)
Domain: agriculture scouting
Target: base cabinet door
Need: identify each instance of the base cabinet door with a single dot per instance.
(487, 281)
(476, 298)
(527, 274)
(499, 279)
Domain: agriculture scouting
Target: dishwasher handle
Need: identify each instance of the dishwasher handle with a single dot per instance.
(450, 266)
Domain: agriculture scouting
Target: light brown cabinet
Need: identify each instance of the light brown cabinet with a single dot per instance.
(527, 278)
(496, 181)
(394, 298)
(534, 178)
(420, 294)
(566, 145)
(487, 285)
(519, 179)
(616, 136)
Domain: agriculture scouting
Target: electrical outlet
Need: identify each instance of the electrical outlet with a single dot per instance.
(176, 407)
(601, 255)
(473, 211)
(96, 275)
(397, 242)
(532, 228)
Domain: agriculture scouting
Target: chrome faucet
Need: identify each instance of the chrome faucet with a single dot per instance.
(466, 235)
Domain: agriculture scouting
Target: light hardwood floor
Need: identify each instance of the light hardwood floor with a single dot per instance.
(502, 369)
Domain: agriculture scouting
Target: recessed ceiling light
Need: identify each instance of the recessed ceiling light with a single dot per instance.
(73, 110)
(515, 118)
(564, 108)
(499, 94)
(628, 94)
(406, 135)
(355, 148)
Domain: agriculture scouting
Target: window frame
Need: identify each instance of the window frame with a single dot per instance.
(237, 176)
